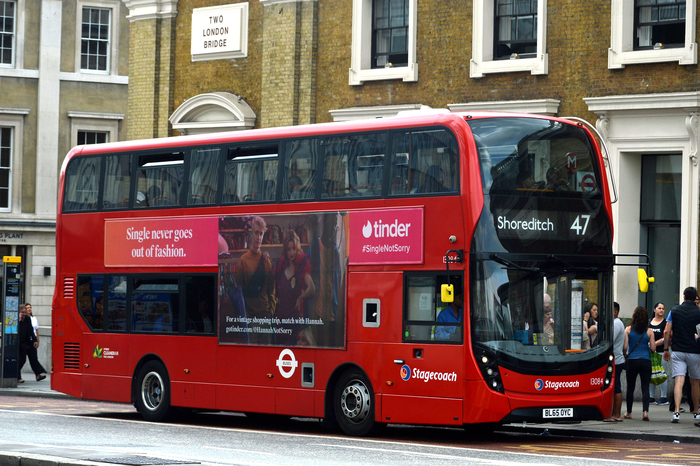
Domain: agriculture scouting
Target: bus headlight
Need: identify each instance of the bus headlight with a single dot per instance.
(489, 369)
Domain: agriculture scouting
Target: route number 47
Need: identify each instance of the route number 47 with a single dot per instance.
(580, 219)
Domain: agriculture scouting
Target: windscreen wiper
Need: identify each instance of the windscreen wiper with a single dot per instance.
(558, 259)
(513, 265)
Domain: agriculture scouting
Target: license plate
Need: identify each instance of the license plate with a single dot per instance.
(557, 412)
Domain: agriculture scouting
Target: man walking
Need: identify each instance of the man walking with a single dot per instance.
(27, 346)
(680, 325)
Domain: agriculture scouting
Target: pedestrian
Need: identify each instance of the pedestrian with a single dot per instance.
(686, 354)
(638, 340)
(27, 346)
(657, 325)
(618, 344)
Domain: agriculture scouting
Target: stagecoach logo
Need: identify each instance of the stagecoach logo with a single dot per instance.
(103, 353)
(405, 372)
(287, 366)
(539, 385)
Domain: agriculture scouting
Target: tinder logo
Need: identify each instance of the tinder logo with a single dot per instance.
(386, 230)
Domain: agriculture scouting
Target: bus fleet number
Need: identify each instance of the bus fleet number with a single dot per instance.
(581, 230)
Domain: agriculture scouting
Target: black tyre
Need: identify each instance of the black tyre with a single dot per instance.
(153, 392)
(353, 404)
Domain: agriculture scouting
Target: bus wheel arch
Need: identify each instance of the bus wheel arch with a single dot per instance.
(350, 401)
(151, 389)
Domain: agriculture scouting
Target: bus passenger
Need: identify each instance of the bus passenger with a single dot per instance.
(452, 314)
(294, 284)
(254, 275)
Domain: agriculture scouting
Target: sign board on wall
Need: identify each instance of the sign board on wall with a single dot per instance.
(219, 32)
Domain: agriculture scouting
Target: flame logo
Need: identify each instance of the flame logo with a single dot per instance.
(97, 352)
(367, 230)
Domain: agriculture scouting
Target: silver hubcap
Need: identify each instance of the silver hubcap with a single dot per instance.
(152, 391)
(355, 401)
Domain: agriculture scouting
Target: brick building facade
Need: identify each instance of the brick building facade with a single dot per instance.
(629, 69)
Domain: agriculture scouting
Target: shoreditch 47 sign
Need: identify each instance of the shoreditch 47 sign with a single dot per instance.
(386, 236)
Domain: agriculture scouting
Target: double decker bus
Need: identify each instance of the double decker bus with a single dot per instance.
(300, 272)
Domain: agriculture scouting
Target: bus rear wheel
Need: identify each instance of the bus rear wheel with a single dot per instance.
(153, 392)
(353, 404)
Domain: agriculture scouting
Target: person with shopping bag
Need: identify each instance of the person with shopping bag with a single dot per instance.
(660, 375)
(639, 340)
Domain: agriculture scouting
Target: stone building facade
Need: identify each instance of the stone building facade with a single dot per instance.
(63, 81)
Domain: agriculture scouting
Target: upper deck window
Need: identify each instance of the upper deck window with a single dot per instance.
(353, 165)
(531, 156)
(300, 161)
(204, 176)
(159, 180)
(82, 184)
(424, 162)
(250, 174)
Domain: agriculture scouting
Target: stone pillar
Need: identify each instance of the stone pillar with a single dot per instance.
(290, 38)
(151, 62)
(48, 108)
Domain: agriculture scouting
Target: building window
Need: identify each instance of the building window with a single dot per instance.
(509, 36)
(95, 44)
(383, 40)
(92, 137)
(7, 32)
(390, 33)
(659, 23)
(5, 168)
(515, 29)
(652, 31)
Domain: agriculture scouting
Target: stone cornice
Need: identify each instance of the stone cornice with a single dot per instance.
(150, 9)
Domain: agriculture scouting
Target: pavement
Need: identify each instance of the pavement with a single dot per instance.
(658, 429)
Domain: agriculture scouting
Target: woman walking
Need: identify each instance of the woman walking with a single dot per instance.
(657, 325)
(639, 338)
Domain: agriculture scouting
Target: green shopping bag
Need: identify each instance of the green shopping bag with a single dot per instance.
(658, 374)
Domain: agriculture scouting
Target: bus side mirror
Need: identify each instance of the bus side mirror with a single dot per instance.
(644, 280)
(447, 293)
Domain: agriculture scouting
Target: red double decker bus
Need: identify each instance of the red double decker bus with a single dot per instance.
(299, 271)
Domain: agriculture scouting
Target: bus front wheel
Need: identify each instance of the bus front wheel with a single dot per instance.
(353, 404)
(153, 392)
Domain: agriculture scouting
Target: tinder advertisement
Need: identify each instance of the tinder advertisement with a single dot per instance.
(387, 236)
(161, 242)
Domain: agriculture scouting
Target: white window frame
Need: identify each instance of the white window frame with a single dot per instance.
(621, 51)
(17, 43)
(361, 59)
(94, 122)
(482, 61)
(14, 118)
(113, 54)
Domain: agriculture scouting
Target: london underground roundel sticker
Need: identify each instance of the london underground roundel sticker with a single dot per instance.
(287, 366)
